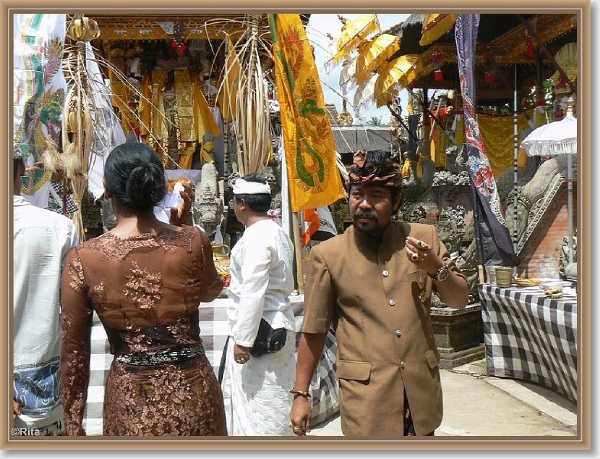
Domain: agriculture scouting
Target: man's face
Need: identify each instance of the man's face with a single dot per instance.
(238, 205)
(371, 208)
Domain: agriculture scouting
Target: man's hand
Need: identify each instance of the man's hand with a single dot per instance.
(300, 415)
(241, 354)
(16, 409)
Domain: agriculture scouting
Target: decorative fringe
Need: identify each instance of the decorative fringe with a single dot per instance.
(436, 25)
(545, 148)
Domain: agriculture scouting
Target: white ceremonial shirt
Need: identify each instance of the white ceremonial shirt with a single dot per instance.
(262, 278)
(42, 239)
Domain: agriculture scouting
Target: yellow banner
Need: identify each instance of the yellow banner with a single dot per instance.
(313, 177)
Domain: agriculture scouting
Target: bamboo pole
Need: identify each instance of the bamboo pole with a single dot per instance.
(298, 251)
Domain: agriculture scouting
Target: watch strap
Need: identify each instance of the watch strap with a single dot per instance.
(440, 270)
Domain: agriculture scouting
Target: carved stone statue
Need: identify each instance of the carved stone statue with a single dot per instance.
(534, 198)
(419, 173)
(568, 269)
(208, 207)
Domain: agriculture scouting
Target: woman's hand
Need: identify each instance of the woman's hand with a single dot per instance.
(180, 215)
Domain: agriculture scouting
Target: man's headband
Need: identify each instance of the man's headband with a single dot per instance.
(387, 174)
(240, 186)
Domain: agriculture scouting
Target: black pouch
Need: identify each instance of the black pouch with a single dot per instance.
(268, 340)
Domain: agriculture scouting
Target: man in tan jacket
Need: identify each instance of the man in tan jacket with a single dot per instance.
(373, 285)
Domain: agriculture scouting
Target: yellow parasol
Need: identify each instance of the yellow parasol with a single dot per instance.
(395, 73)
(436, 25)
(566, 57)
(373, 54)
(353, 33)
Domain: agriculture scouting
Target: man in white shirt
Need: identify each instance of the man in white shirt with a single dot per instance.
(256, 388)
(41, 241)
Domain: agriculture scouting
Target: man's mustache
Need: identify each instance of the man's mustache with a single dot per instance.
(371, 215)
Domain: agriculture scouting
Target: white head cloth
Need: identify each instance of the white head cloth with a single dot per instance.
(242, 187)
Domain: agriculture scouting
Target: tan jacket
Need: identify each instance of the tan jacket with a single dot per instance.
(384, 334)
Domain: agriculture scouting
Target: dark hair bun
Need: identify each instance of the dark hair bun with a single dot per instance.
(135, 175)
(146, 185)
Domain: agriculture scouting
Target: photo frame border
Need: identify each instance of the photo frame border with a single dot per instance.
(582, 441)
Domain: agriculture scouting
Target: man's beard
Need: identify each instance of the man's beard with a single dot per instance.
(370, 230)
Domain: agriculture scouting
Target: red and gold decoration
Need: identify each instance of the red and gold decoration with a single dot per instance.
(179, 43)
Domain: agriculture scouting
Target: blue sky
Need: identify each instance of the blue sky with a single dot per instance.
(321, 24)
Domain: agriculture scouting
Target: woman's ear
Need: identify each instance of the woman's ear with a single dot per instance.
(107, 194)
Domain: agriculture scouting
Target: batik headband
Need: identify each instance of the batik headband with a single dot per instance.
(363, 172)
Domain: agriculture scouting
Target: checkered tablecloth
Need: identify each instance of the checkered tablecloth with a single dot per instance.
(531, 337)
(213, 329)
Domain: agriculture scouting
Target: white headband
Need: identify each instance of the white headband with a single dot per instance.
(242, 187)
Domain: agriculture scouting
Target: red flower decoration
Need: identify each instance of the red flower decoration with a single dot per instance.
(180, 48)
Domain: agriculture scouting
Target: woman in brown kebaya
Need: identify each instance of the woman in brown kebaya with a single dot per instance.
(145, 280)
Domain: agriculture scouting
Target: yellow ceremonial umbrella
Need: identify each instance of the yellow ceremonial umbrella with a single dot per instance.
(436, 25)
(373, 54)
(353, 33)
(394, 74)
(566, 58)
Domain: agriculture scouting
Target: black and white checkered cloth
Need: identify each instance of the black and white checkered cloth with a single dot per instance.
(55, 201)
(531, 337)
(213, 330)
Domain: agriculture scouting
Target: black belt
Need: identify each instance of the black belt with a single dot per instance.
(168, 355)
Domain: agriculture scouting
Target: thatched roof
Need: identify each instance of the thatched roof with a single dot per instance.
(352, 138)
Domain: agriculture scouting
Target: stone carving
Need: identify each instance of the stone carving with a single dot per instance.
(533, 198)
(208, 208)
(467, 263)
(421, 170)
(567, 269)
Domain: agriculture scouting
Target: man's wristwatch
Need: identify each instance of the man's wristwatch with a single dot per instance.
(442, 273)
